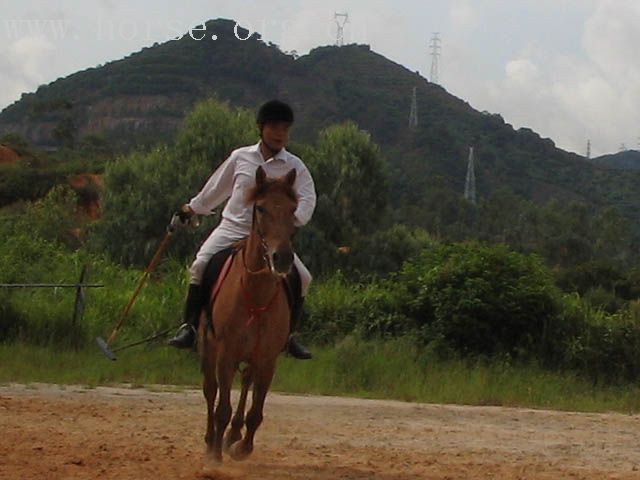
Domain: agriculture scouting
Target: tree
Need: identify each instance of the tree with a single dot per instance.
(65, 132)
(208, 135)
(142, 190)
(612, 235)
(352, 183)
(53, 217)
(95, 143)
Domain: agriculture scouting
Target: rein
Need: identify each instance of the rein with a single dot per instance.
(263, 244)
(255, 312)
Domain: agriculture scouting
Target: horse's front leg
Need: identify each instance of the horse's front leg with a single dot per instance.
(225, 372)
(262, 378)
(235, 433)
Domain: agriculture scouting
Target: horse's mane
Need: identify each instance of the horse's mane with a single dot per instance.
(272, 185)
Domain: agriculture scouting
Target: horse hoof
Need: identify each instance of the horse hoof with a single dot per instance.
(230, 439)
(238, 451)
(211, 460)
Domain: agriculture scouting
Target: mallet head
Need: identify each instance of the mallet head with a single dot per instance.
(105, 348)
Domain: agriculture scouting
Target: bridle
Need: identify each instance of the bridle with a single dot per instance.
(263, 244)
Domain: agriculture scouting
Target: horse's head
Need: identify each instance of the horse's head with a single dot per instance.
(275, 202)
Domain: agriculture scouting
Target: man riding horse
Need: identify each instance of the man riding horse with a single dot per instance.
(232, 180)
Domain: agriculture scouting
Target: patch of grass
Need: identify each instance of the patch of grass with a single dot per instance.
(396, 369)
(391, 369)
(143, 366)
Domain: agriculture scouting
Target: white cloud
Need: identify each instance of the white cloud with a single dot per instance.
(29, 53)
(572, 97)
(611, 39)
(463, 16)
(522, 72)
(22, 65)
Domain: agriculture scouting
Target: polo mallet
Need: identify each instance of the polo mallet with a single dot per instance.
(171, 228)
(144, 340)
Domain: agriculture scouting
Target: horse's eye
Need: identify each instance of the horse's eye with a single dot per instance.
(260, 209)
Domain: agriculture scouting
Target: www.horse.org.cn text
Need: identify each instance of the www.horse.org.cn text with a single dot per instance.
(199, 32)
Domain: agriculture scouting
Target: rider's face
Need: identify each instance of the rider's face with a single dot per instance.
(275, 135)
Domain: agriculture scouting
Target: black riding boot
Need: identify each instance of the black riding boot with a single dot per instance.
(186, 336)
(196, 298)
(294, 348)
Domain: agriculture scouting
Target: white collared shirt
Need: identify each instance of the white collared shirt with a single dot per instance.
(237, 174)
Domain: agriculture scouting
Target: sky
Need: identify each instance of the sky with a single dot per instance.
(567, 69)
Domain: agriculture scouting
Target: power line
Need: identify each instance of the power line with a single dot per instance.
(413, 116)
(341, 20)
(470, 181)
(435, 47)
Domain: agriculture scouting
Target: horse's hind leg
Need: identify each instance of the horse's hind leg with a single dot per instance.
(235, 433)
(210, 389)
(261, 383)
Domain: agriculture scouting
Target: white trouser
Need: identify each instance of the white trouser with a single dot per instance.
(223, 237)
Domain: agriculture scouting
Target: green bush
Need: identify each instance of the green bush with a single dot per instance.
(337, 307)
(385, 251)
(20, 182)
(45, 316)
(42, 316)
(605, 299)
(585, 276)
(479, 299)
(315, 250)
(52, 217)
(601, 346)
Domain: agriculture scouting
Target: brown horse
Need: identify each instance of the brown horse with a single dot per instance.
(250, 319)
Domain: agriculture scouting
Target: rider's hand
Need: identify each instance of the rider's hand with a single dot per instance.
(185, 213)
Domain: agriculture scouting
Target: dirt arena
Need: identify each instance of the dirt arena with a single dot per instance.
(51, 432)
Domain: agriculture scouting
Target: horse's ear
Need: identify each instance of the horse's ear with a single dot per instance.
(291, 177)
(261, 177)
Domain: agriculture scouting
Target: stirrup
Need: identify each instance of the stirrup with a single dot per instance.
(297, 350)
(185, 338)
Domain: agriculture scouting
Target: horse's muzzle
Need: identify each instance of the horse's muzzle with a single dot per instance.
(282, 261)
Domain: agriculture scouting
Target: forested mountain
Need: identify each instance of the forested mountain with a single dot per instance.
(141, 99)
(627, 160)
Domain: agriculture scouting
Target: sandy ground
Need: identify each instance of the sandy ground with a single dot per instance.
(51, 432)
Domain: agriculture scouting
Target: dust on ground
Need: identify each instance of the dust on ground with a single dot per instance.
(55, 432)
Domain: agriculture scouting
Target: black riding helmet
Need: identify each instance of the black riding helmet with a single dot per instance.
(274, 111)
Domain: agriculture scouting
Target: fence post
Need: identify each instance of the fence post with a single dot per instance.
(78, 309)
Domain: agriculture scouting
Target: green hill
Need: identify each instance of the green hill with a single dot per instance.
(141, 99)
(627, 160)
